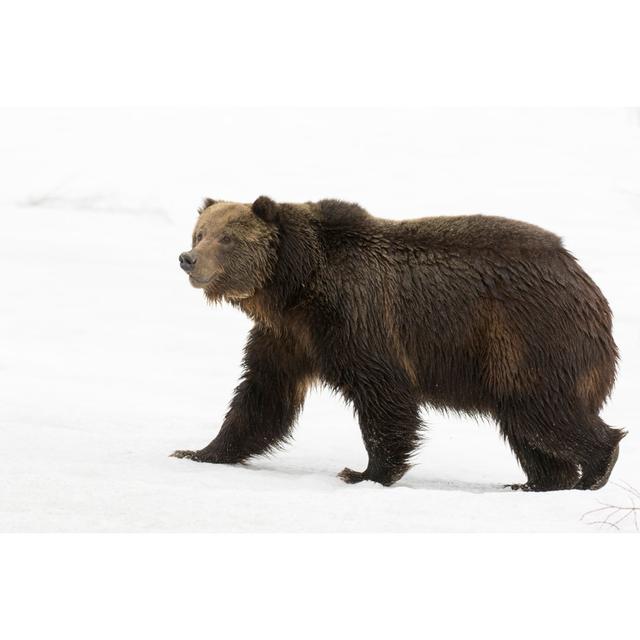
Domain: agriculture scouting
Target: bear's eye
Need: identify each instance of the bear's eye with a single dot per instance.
(225, 238)
(199, 237)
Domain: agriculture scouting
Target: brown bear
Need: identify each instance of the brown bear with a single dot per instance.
(476, 314)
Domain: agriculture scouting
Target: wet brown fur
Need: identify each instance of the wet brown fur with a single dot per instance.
(476, 314)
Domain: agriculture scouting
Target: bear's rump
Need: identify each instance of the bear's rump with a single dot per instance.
(536, 336)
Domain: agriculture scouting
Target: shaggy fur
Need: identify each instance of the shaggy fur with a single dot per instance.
(476, 314)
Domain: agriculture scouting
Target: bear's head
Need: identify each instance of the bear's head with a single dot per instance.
(234, 248)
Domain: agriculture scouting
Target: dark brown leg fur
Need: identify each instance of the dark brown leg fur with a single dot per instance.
(551, 443)
(596, 474)
(544, 473)
(596, 471)
(265, 404)
(389, 421)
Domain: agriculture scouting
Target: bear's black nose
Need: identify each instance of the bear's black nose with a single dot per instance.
(187, 261)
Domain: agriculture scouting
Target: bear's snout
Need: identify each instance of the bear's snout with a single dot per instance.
(187, 261)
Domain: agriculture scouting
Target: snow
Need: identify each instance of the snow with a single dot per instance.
(110, 360)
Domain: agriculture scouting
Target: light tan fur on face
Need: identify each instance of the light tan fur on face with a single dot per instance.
(231, 269)
(220, 217)
(232, 217)
(211, 224)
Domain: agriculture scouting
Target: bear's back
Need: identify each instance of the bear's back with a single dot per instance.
(470, 232)
(479, 232)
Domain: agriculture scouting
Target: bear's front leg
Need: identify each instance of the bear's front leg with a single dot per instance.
(389, 419)
(266, 402)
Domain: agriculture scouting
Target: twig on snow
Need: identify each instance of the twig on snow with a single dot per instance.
(614, 514)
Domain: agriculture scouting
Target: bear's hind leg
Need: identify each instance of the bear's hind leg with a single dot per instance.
(545, 472)
(566, 433)
(597, 466)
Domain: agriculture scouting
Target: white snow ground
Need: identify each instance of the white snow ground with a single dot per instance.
(109, 360)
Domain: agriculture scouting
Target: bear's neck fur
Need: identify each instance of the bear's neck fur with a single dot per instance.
(282, 299)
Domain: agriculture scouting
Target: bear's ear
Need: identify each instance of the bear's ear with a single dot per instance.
(207, 202)
(266, 209)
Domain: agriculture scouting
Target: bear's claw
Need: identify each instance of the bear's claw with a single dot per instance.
(190, 455)
(350, 476)
(518, 487)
